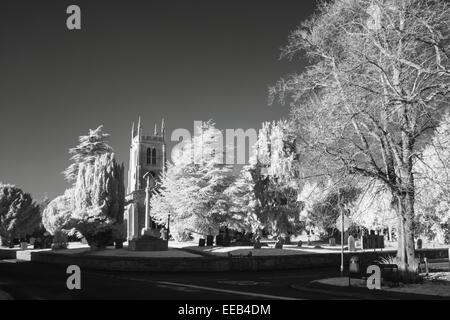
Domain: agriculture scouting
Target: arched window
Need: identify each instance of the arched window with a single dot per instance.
(149, 156)
(154, 156)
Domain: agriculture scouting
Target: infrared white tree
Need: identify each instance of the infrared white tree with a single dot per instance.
(90, 146)
(99, 199)
(433, 185)
(94, 206)
(377, 82)
(374, 209)
(264, 195)
(192, 189)
(19, 214)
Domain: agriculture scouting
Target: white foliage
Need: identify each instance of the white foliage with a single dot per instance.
(96, 201)
(89, 147)
(57, 214)
(433, 184)
(192, 188)
(373, 209)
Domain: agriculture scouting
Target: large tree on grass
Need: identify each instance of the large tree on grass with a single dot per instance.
(94, 206)
(377, 82)
(243, 202)
(192, 189)
(264, 196)
(19, 215)
(99, 200)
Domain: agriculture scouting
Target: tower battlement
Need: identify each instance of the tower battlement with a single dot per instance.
(152, 138)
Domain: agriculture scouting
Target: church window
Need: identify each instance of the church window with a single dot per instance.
(149, 156)
(154, 156)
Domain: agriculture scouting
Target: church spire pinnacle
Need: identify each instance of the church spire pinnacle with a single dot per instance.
(139, 129)
(156, 130)
(132, 132)
(162, 127)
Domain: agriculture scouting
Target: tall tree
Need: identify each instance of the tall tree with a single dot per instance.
(265, 193)
(90, 146)
(19, 215)
(94, 206)
(377, 82)
(243, 202)
(99, 199)
(192, 189)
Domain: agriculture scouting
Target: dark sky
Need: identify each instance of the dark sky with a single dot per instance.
(181, 60)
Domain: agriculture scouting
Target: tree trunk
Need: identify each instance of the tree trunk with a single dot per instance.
(408, 266)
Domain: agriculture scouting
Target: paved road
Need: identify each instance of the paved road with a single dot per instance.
(29, 280)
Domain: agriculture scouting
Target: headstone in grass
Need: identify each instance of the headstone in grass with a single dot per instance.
(332, 242)
(279, 244)
(351, 244)
(419, 243)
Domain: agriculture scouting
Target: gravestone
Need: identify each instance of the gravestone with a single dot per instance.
(38, 244)
(118, 244)
(147, 243)
(226, 240)
(257, 244)
(163, 233)
(219, 240)
(332, 242)
(419, 243)
(351, 244)
(209, 240)
(373, 241)
(279, 245)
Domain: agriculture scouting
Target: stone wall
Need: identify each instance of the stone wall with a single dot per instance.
(218, 264)
(8, 253)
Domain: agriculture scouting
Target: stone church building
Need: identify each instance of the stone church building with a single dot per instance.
(147, 155)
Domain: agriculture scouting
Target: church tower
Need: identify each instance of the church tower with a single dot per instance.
(147, 155)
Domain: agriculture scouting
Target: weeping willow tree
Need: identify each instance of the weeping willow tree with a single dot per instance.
(94, 206)
(99, 199)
